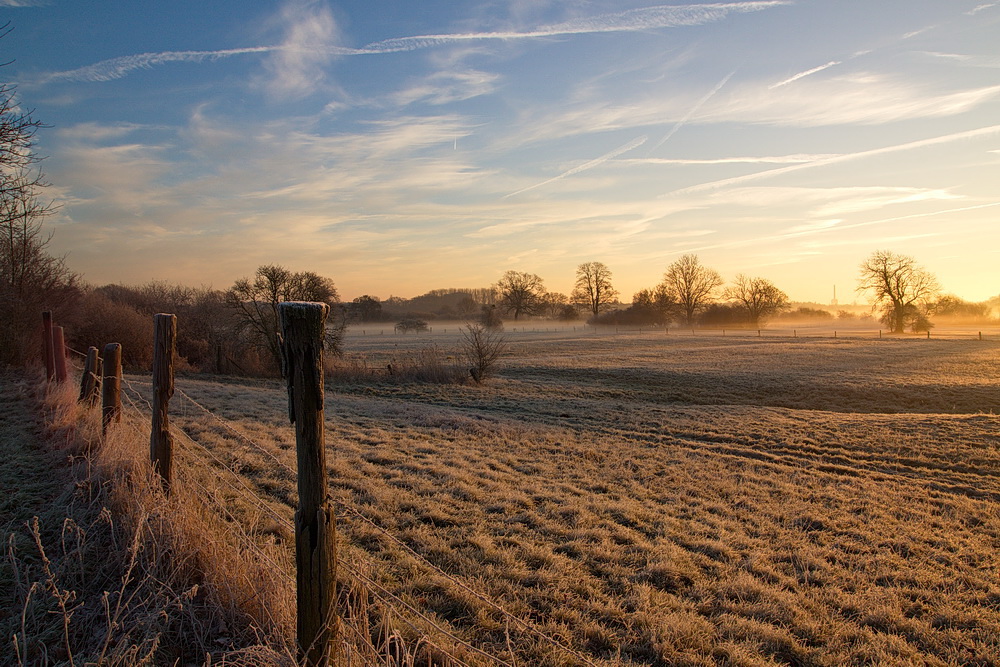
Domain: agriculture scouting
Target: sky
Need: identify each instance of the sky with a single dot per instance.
(398, 147)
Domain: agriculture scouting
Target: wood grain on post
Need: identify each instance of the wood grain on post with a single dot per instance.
(161, 445)
(50, 362)
(303, 328)
(111, 386)
(59, 353)
(90, 380)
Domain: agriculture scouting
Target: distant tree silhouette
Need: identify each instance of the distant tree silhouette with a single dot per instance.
(757, 297)
(900, 287)
(691, 285)
(521, 293)
(593, 289)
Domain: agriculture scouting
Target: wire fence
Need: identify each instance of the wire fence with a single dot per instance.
(199, 456)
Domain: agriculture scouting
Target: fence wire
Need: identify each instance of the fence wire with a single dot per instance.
(140, 408)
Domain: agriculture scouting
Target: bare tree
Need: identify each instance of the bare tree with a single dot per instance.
(899, 286)
(483, 347)
(31, 279)
(255, 304)
(521, 293)
(758, 297)
(691, 285)
(593, 289)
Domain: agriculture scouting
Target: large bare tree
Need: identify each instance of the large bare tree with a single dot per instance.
(593, 289)
(899, 287)
(255, 304)
(691, 285)
(758, 297)
(521, 293)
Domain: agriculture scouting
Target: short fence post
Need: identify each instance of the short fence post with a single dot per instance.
(302, 328)
(111, 386)
(980, 335)
(90, 382)
(59, 353)
(50, 362)
(928, 335)
(161, 445)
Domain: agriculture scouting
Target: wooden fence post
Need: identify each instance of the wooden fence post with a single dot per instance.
(303, 330)
(50, 362)
(111, 386)
(90, 383)
(59, 353)
(161, 445)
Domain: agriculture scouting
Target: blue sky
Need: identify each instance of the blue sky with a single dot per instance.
(399, 147)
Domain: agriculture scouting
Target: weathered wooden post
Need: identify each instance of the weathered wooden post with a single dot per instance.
(303, 328)
(50, 362)
(90, 381)
(161, 445)
(111, 386)
(59, 353)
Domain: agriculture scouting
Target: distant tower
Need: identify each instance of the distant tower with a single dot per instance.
(834, 302)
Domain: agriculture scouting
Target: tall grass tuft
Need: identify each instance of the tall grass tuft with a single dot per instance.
(129, 576)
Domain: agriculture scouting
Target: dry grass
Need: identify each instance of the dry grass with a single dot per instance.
(102, 568)
(653, 500)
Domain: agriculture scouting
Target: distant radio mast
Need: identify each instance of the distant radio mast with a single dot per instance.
(834, 302)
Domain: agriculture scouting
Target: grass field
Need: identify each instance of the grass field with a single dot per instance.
(651, 499)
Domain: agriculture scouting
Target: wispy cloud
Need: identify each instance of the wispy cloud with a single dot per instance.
(297, 68)
(679, 124)
(444, 87)
(632, 145)
(991, 62)
(634, 20)
(802, 75)
(862, 98)
(836, 159)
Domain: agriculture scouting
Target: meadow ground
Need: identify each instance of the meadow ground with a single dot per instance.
(652, 499)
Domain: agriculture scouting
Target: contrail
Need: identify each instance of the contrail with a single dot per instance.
(802, 75)
(798, 158)
(693, 111)
(117, 68)
(834, 159)
(635, 143)
(648, 18)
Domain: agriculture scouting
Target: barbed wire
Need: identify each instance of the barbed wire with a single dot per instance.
(520, 622)
(248, 492)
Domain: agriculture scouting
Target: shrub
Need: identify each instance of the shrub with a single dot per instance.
(408, 324)
(483, 347)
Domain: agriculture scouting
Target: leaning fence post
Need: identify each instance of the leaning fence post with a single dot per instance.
(50, 363)
(161, 445)
(90, 382)
(111, 386)
(59, 353)
(303, 330)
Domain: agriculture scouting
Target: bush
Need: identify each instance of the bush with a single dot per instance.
(411, 324)
(483, 347)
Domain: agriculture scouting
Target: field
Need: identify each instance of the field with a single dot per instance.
(651, 499)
